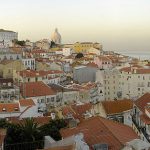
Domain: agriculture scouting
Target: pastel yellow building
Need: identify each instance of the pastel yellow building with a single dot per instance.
(84, 46)
(8, 66)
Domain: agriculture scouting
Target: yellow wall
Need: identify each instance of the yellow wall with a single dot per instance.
(42, 66)
(7, 69)
(82, 47)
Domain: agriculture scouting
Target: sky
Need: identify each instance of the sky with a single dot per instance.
(120, 25)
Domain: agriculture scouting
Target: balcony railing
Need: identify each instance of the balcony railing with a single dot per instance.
(141, 129)
(135, 123)
(145, 134)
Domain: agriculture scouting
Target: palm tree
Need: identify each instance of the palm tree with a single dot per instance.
(30, 129)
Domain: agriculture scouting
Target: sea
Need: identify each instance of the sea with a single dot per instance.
(145, 55)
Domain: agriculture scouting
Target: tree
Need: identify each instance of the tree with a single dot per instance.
(79, 55)
(21, 43)
(30, 130)
(53, 44)
(53, 127)
(3, 123)
(27, 134)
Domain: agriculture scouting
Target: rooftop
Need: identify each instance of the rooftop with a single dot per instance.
(100, 130)
(9, 107)
(34, 89)
(142, 102)
(2, 30)
(26, 102)
(118, 106)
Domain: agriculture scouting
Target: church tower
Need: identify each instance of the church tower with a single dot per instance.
(56, 37)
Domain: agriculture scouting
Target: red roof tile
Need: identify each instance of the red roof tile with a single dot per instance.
(41, 73)
(9, 107)
(145, 118)
(118, 106)
(77, 111)
(34, 89)
(142, 102)
(92, 64)
(100, 130)
(26, 102)
(138, 70)
(38, 120)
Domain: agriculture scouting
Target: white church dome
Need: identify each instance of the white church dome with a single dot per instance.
(56, 37)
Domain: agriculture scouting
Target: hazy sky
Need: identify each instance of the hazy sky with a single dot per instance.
(117, 24)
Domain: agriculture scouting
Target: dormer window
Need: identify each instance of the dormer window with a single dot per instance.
(4, 109)
(16, 108)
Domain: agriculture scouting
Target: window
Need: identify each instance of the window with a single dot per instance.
(48, 100)
(138, 89)
(17, 57)
(52, 99)
(42, 100)
(4, 109)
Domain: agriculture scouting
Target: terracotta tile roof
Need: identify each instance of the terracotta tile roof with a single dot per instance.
(32, 73)
(41, 73)
(100, 130)
(126, 69)
(84, 86)
(9, 107)
(34, 89)
(38, 120)
(26, 102)
(104, 58)
(6, 80)
(147, 64)
(142, 102)
(81, 109)
(92, 64)
(77, 111)
(38, 51)
(143, 71)
(42, 120)
(138, 70)
(145, 119)
(147, 108)
(118, 106)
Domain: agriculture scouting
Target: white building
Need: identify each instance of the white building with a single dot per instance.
(7, 37)
(7, 54)
(110, 82)
(67, 51)
(128, 82)
(29, 63)
(134, 81)
(43, 44)
(23, 108)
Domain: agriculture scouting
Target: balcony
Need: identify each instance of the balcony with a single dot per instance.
(135, 123)
(141, 129)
